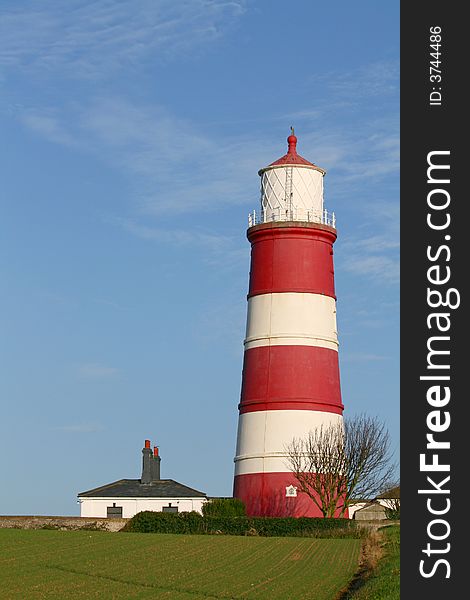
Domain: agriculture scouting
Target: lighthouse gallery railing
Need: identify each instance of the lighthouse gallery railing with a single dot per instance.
(280, 214)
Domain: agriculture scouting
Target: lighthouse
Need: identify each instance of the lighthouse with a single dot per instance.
(290, 380)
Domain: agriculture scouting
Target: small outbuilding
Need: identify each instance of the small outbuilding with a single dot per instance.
(372, 511)
(126, 497)
(378, 508)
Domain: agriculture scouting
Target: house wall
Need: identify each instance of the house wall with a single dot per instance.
(97, 507)
(371, 513)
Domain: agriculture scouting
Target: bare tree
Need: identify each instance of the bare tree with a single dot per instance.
(390, 498)
(336, 463)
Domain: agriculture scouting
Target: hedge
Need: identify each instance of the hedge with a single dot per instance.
(224, 507)
(195, 523)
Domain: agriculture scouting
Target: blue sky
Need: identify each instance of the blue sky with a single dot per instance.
(131, 137)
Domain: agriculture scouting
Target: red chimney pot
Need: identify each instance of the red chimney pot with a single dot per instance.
(147, 443)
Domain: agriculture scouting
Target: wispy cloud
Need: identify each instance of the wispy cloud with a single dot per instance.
(222, 323)
(93, 39)
(173, 166)
(109, 303)
(93, 371)
(78, 428)
(351, 144)
(375, 257)
(176, 169)
(376, 243)
(378, 78)
(46, 124)
(218, 248)
(179, 237)
(379, 267)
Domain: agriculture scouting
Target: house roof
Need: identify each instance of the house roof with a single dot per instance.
(391, 493)
(133, 488)
(372, 506)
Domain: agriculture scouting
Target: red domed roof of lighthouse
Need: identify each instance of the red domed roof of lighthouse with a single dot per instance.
(292, 158)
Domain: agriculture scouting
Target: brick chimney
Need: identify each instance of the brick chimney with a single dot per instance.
(155, 465)
(147, 460)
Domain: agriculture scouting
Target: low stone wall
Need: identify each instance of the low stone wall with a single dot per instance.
(61, 523)
(377, 524)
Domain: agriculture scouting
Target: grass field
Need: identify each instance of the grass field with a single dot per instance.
(112, 566)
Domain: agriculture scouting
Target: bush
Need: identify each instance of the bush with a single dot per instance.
(159, 522)
(393, 513)
(194, 523)
(224, 507)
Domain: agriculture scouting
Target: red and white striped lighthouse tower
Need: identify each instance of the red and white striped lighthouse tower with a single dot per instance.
(290, 382)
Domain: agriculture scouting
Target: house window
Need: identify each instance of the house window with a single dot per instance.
(114, 511)
(169, 508)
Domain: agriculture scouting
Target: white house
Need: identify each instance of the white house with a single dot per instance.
(127, 497)
(390, 498)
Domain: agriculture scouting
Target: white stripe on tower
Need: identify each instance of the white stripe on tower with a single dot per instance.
(265, 453)
(291, 318)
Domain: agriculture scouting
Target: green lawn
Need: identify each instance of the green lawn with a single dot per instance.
(92, 564)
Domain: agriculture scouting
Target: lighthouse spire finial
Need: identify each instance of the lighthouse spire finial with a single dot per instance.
(292, 141)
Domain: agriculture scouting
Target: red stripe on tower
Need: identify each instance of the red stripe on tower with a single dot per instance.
(290, 381)
(287, 377)
(285, 259)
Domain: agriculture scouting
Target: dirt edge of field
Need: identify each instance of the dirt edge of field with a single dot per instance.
(371, 552)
